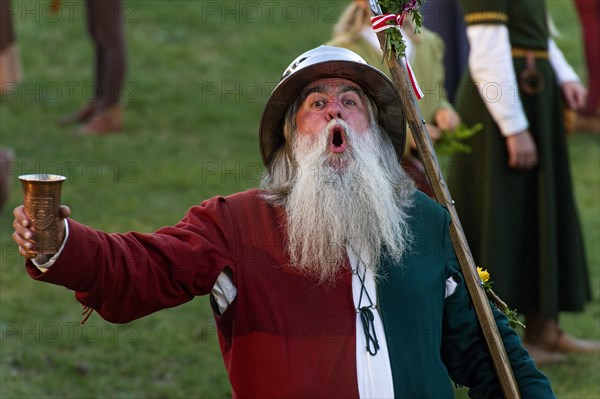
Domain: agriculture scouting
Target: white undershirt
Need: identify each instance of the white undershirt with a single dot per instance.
(374, 373)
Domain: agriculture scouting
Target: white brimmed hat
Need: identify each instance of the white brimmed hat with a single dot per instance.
(330, 62)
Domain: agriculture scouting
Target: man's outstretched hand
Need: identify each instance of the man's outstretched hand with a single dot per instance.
(23, 233)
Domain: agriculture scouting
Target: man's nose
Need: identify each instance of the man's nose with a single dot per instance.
(334, 110)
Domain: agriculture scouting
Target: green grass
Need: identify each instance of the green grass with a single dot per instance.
(199, 74)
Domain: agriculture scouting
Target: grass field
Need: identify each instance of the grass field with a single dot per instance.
(199, 74)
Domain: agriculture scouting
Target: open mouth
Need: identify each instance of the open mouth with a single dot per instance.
(337, 140)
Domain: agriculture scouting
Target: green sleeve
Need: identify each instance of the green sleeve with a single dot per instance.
(465, 352)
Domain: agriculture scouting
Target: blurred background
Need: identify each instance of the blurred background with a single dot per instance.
(198, 76)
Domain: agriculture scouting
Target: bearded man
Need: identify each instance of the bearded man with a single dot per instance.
(336, 280)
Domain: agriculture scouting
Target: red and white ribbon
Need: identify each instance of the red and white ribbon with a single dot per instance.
(381, 23)
(413, 81)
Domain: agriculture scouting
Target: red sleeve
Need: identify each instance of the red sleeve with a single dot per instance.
(127, 276)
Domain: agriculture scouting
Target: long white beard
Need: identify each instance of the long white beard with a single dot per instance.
(340, 200)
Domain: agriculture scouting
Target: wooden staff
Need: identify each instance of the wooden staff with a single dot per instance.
(420, 135)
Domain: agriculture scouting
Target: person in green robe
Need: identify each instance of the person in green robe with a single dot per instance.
(514, 191)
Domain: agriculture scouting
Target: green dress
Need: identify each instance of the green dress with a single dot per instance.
(522, 226)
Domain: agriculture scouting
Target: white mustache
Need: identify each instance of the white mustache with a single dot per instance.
(340, 199)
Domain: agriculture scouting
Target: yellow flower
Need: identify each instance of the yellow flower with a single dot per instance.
(486, 284)
(483, 274)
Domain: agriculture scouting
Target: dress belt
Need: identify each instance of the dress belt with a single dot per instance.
(530, 79)
(520, 52)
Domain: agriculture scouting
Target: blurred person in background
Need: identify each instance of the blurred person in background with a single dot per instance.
(514, 190)
(11, 71)
(445, 18)
(104, 114)
(588, 118)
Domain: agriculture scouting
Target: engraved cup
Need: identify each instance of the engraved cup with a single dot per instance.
(41, 194)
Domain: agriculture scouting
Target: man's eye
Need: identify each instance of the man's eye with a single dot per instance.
(318, 103)
(349, 102)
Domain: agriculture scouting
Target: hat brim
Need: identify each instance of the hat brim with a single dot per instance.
(374, 82)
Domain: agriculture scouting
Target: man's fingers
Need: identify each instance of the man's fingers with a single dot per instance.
(22, 234)
(25, 246)
(19, 240)
(22, 230)
(27, 254)
(20, 216)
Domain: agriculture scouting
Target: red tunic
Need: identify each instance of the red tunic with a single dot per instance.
(283, 336)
